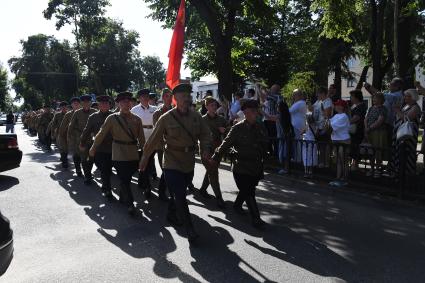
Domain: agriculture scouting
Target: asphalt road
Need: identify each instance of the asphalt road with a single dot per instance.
(67, 232)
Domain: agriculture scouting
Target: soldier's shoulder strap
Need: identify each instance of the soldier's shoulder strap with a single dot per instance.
(127, 129)
(183, 127)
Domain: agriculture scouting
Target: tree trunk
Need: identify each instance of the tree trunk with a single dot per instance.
(406, 65)
(396, 37)
(225, 72)
(338, 79)
(377, 41)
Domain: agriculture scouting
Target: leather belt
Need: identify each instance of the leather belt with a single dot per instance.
(180, 148)
(125, 143)
(147, 127)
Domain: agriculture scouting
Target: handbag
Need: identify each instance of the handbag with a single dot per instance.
(405, 130)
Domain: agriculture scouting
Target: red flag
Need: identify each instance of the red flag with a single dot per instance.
(175, 54)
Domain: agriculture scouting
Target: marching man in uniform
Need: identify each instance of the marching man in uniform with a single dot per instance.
(127, 134)
(103, 156)
(75, 129)
(179, 130)
(63, 140)
(145, 112)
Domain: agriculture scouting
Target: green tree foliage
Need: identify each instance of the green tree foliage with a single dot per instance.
(153, 71)
(4, 88)
(45, 71)
(304, 81)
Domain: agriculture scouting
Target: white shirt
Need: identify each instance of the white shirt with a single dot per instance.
(146, 114)
(298, 112)
(318, 111)
(340, 124)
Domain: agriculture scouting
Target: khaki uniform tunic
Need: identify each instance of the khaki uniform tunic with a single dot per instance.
(44, 121)
(76, 127)
(94, 123)
(55, 124)
(250, 144)
(179, 153)
(63, 131)
(124, 147)
(214, 123)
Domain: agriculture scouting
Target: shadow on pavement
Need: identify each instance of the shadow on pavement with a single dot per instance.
(136, 236)
(7, 182)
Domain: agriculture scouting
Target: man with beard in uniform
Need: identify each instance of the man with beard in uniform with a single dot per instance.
(63, 139)
(103, 156)
(166, 106)
(217, 125)
(45, 118)
(53, 128)
(127, 137)
(145, 112)
(179, 129)
(75, 129)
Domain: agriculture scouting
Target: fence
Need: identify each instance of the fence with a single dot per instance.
(397, 169)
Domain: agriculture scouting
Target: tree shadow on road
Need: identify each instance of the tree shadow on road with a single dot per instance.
(7, 182)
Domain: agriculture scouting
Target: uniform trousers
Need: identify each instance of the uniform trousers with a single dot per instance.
(247, 185)
(77, 162)
(125, 171)
(103, 161)
(144, 181)
(87, 164)
(177, 183)
(211, 178)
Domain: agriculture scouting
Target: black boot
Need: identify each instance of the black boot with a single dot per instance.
(257, 222)
(218, 196)
(237, 205)
(77, 164)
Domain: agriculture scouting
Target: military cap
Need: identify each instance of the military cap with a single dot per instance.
(75, 99)
(123, 95)
(165, 91)
(63, 103)
(143, 91)
(209, 99)
(103, 98)
(186, 88)
(249, 103)
(85, 97)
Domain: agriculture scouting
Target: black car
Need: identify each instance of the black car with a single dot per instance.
(10, 155)
(6, 244)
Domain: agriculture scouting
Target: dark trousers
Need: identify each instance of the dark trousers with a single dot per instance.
(64, 158)
(144, 181)
(87, 164)
(211, 178)
(272, 134)
(125, 170)
(177, 183)
(103, 161)
(246, 185)
(77, 162)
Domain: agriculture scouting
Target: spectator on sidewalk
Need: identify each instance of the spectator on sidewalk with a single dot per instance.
(322, 112)
(393, 98)
(376, 133)
(235, 106)
(285, 135)
(404, 150)
(358, 112)
(10, 122)
(298, 112)
(309, 147)
(270, 117)
(340, 124)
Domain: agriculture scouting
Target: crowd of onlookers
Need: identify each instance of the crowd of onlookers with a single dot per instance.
(332, 131)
